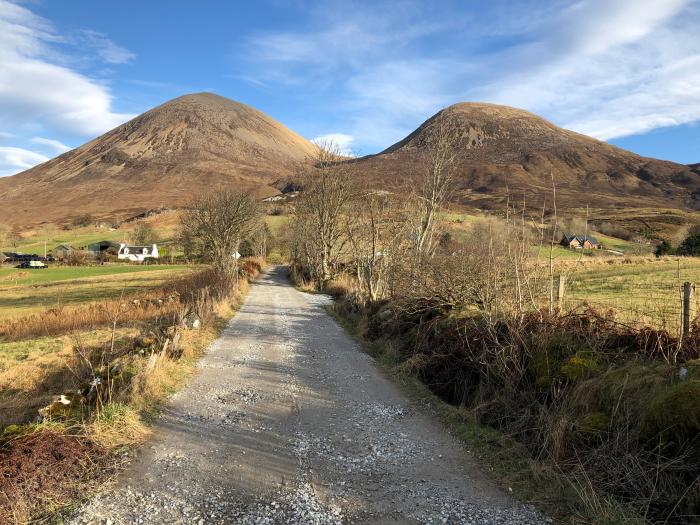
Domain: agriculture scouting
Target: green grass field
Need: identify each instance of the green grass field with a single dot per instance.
(23, 292)
(647, 291)
(17, 276)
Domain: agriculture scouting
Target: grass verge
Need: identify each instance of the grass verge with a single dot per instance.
(106, 403)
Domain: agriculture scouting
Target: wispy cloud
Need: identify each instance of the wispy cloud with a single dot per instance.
(608, 68)
(104, 47)
(54, 145)
(37, 89)
(13, 160)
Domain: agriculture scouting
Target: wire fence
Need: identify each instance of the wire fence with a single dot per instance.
(670, 306)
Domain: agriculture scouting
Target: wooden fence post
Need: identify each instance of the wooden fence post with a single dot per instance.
(687, 296)
(560, 291)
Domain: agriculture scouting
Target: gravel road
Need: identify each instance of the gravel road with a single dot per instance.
(287, 421)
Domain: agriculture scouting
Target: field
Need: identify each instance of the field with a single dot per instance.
(623, 278)
(34, 365)
(23, 292)
(640, 290)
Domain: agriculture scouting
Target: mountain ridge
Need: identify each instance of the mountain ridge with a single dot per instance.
(507, 154)
(165, 156)
(160, 158)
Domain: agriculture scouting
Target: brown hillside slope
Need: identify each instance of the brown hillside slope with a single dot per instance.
(506, 151)
(158, 159)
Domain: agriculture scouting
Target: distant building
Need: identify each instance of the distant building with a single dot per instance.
(62, 251)
(577, 242)
(137, 253)
(97, 248)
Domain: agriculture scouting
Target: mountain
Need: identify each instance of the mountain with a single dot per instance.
(506, 153)
(163, 157)
(158, 159)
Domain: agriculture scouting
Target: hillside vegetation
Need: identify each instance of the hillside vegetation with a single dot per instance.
(164, 157)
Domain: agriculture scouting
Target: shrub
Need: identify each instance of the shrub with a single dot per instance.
(588, 394)
(82, 220)
(144, 234)
(663, 248)
(690, 245)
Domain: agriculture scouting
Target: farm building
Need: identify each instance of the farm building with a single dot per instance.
(137, 253)
(102, 246)
(587, 242)
(62, 251)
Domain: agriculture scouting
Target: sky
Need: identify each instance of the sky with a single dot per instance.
(364, 74)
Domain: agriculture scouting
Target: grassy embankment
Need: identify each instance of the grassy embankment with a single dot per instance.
(134, 350)
(593, 422)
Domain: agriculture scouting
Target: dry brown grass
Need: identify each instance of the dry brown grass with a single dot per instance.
(44, 371)
(43, 471)
(161, 305)
(63, 320)
(45, 467)
(340, 286)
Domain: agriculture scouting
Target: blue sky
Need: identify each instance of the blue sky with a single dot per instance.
(365, 73)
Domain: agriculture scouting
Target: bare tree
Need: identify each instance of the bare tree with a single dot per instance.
(4, 235)
(215, 225)
(318, 211)
(377, 236)
(437, 180)
(145, 234)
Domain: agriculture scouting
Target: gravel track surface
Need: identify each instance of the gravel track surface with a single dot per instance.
(288, 421)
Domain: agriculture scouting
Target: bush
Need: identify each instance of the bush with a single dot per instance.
(82, 220)
(690, 245)
(581, 390)
(663, 248)
(78, 258)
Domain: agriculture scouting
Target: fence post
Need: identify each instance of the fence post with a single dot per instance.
(560, 291)
(687, 296)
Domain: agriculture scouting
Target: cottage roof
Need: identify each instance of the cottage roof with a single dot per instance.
(568, 237)
(138, 249)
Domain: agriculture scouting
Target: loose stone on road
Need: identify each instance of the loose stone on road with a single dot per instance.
(287, 421)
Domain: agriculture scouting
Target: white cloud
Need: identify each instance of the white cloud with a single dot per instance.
(13, 160)
(35, 89)
(105, 48)
(55, 145)
(611, 69)
(608, 68)
(342, 141)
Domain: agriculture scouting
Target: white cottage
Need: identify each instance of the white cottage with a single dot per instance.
(137, 253)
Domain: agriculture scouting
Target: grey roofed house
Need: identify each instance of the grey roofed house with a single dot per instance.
(571, 240)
